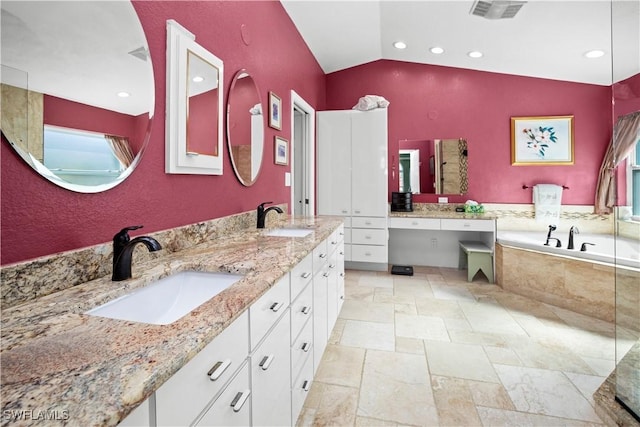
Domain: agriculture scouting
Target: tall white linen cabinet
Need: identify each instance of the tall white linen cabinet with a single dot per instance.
(352, 181)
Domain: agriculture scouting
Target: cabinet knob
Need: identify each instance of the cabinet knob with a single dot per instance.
(275, 307)
(218, 369)
(238, 402)
(266, 362)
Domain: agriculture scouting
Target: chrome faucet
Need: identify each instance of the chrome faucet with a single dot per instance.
(573, 230)
(551, 228)
(262, 212)
(123, 250)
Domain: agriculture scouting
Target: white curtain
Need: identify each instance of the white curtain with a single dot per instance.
(121, 149)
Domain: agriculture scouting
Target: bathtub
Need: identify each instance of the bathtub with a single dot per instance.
(621, 252)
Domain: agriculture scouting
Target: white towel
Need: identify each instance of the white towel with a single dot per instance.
(547, 200)
(370, 102)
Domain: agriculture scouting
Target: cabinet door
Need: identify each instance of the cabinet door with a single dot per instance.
(332, 292)
(334, 162)
(369, 163)
(271, 378)
(320, 331)
(233, 406)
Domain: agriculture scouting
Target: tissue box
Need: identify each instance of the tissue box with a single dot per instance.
(474, 209)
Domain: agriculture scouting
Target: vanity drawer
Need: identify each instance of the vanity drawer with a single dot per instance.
(264, 313)
(347, 222)
(415, 223)
(468, 224)
(320, 256)
(301, 350)
(183, 396)
(368, 253)
(368, 222)
(364, 236)
(301, 275)
(300, 389)
(301, 311)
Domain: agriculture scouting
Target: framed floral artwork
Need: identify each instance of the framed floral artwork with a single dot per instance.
(281, 151)
(543, 140)
(275, 111)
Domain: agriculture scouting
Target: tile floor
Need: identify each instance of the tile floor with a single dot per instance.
(434, 350)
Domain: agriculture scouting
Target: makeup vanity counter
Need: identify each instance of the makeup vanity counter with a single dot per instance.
(70, 368)
(430, 238)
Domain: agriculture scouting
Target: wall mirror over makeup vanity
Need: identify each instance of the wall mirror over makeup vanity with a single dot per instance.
(245, 127)
(195, 79)
(79, 116)
(437, 166)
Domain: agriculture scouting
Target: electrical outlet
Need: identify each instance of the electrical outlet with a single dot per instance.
(287, 179)
(443, 200)
(434, 243)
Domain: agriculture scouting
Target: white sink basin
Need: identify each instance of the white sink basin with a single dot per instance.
(289, 232)
(165, 301)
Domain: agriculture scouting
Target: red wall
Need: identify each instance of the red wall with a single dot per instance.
(39, 218)
(434, 102)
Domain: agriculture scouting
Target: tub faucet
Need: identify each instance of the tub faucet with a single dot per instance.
(123, 250)
(573, 230)
(551, 228)
(558, 242)
(583, 248)
(262, 212)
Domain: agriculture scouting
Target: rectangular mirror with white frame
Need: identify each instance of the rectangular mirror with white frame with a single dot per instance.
(195, 80)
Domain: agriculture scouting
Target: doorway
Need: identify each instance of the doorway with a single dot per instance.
(302, 157)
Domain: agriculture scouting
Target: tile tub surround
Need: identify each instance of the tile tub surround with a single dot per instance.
(32, 279)
(490, 357)
(97, 370)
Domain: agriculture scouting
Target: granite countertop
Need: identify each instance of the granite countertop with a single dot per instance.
(84, 370)
(439, 214)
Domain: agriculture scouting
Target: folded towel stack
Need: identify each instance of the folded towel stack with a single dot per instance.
(547, 199)
(369, 102)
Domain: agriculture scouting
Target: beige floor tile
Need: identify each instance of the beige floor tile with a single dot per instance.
(500, 417)
(421, 327)
(395, 387)
(367, 311)
(371, 422)
(359, 293)
(372, 335)
(416, 289)
(389, 297)
(454, 402)
(338, 405)
(490, 394)
(409, 345)
(459, 361)
(490, 317)
(439, 308)
(449, 292)
(548, 353)
(406, 309)
(587, 384)
(456, 325)
(502, 355)
(376, 281)
(545, 392)
(341, 366)
(336, 333)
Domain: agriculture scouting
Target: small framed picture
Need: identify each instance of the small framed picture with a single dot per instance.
(543, 140)
(281, 151)
(275, 111)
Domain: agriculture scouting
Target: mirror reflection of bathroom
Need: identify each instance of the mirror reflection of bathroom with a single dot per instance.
(202, 103)
(438, 166)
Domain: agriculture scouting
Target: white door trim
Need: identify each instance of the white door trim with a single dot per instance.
(310, 139)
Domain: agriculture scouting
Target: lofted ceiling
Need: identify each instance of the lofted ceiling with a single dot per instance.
(546, 39)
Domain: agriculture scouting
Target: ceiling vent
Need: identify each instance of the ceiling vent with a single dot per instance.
(140, 53)
(496, 9)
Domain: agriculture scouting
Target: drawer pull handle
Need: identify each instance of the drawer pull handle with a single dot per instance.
(325, 274)
(414, 223)
(323, 255)
(266, 362)
(342, 233)
(306, 310)
(238, 402)
(367, 223)
(341, 274)
(341, 252)
(306, 275)
(367, 237)
(466, 224)
(344, 211)
(218, 369)
(332, 266)
(334, 242)
(367, 254)
(357, 211)
(275, 307)
(305, 347)
(306, 385)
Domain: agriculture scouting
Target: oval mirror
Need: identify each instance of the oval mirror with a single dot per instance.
(77, 101)
(245, 127)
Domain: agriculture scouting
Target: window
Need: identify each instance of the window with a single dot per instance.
(79, 156)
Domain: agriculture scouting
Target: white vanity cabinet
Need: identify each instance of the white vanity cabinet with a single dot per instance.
(185, 395)
(435, 241)
(352, 181)
(320, 302)
(233, 407)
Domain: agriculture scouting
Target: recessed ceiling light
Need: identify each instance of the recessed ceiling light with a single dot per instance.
(594, 53)
(198, 79)
(475, 54)
(400, 45)
(123, 94)
(437, 50)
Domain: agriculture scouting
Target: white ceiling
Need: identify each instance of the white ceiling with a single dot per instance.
(546, 38)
